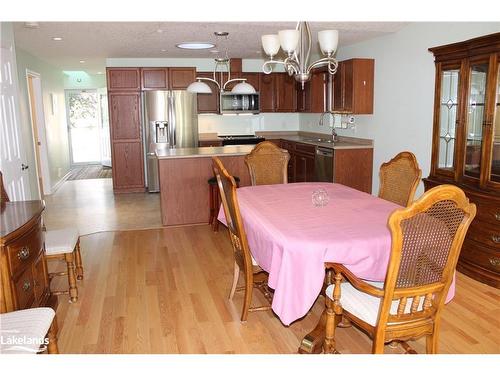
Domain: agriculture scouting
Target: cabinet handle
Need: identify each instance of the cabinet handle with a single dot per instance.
(494, 261)
(26, 286)
(24, 253)
(495, 239)
(497, 216)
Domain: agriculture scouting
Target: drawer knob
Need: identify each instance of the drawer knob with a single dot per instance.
(494, 261)
(24, 253)
(495, 238)
(497, 216)
(26, 286)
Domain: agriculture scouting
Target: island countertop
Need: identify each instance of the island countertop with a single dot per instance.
(202, 152)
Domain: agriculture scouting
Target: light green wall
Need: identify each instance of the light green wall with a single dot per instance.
(55, 123)
(80, 80)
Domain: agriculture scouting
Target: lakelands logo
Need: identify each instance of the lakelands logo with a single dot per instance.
(10, 340)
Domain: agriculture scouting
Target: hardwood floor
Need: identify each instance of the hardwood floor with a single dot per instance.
(91, 206)
(165, 291)
(88, 172)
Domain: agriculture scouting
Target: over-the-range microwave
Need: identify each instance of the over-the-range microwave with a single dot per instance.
(239, 103)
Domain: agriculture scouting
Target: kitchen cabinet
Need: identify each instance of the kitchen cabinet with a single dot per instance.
(181, 78)
(286, 94)
(167, 78)
(267, 88)
(208, 103)
(124, 115)
(466, 144)
(123, 79)
(353, 86)
(314, 97)
(128, 170)
(304, 162)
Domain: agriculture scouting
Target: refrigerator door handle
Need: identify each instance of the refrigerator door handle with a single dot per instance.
(173, 126)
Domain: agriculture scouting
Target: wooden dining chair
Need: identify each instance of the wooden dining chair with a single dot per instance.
(399, 179)
(243, 260)
(268, 164)
(426, 242)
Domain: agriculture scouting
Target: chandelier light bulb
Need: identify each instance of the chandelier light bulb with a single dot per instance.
(289, 40)
(271, 44)
(328, 41)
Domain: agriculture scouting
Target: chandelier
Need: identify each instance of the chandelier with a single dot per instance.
(222, 68)
(297, 45)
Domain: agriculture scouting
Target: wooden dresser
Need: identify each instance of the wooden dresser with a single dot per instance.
(466, 144)
(23, 269)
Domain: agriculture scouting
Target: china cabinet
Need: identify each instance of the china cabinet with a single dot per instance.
(466, 144)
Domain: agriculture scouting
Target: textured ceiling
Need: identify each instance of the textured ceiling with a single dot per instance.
(96, 41)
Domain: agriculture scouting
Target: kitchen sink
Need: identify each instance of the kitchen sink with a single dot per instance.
(321, 140)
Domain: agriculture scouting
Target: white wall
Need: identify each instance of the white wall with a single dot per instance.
(404, 89)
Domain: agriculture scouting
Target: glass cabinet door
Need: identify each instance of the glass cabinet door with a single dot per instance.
(475, 119)
(495, 153)
(448, 104)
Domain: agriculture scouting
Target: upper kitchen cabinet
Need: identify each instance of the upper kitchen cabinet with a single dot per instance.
(167, 78)
(154, 78)
(286, 93)
(314, 96)
(466, 144)
(181, 78)
(123, 79)
(267, 92)
(353, 86)
(125, 115)
(208, 103)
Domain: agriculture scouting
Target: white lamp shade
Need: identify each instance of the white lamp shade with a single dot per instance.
(271, 44)
(328, 41)
(199, 88)
(289, 39)
(243, 88)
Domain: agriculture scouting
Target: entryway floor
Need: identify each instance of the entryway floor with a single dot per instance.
(92, 207)
(87, 172)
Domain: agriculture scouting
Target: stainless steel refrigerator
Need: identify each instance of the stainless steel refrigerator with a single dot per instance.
(170, 120)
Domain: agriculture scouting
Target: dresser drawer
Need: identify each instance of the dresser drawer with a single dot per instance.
(40, 277)
(25, 250)
(485, 233)
(480, 255)
(487, 209)
(24, 289)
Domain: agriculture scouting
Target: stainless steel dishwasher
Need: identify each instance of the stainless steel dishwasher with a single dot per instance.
(323, 164)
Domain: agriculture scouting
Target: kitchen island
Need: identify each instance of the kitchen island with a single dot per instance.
(184, 174)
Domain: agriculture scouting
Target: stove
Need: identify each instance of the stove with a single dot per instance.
(241, 139)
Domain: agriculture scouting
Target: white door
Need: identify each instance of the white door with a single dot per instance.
(12, 160)
(104, 130)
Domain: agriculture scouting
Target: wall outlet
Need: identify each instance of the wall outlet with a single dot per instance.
(350, 119)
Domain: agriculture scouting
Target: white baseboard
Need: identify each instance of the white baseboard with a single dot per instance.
(59, 183)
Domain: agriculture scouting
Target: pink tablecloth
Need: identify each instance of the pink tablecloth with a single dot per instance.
(292, 239)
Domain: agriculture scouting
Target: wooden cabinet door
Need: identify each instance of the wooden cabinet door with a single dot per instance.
(304, 167)
(123, 79)
(303, 97)
(128, 166)
(208, 103)
(347, 86)
(181, 78)
(154, 78)
(319, 92)
(125, 115)
(338, 90)
(267, 92)
(286, 93)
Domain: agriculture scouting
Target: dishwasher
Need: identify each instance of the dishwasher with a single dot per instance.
(323, 165)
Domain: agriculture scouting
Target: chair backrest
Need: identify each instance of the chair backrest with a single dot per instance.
(426, 241)
(4, 197)
(268, 164)
(399, 179)
(227, 188)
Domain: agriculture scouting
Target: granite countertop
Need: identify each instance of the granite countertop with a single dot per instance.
(342, 143)
(202, 152)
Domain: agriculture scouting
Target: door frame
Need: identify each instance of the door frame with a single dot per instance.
(38, 131)
(66, 98)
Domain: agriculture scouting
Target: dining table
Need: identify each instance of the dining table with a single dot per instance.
(293, 229)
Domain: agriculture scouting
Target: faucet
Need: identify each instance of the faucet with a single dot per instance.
(321, 119)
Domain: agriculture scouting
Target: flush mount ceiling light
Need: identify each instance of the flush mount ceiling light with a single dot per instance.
(57, 38)
(222, 66)
(297, 45)
(195, 45)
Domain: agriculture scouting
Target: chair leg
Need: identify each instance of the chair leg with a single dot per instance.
(215, 222)
(73, 291)
(78, 261)
(431, 342)
(378, 344)
(52, 347)
(236, 276)
(331, 320)
(248, 295)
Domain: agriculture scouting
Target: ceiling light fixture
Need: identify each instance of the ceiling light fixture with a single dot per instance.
(57, 38)
(82, 61)
(297, 45)
(195, 45)
(32, 25)
(222, 65)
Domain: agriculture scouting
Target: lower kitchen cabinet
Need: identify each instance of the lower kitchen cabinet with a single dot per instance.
(128, 167)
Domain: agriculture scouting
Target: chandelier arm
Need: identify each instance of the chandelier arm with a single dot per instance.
(233, 80)
(208, 79)
(267, 66)
(292, 65)
(325, 61)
